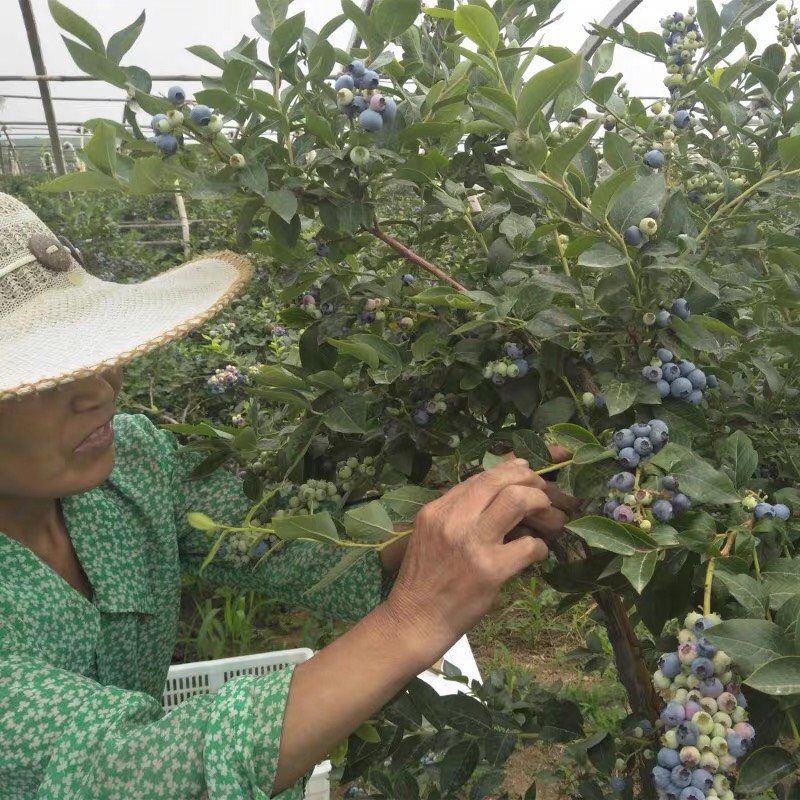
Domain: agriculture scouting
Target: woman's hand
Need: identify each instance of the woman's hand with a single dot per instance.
(460, 553)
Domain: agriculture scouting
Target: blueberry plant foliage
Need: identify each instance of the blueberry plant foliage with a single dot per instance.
(485, 243)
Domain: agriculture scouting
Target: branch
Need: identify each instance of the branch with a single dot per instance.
(411, 256)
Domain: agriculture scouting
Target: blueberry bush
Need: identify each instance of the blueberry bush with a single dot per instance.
(476, 243)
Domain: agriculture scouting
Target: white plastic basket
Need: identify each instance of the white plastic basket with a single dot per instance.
(207, 677)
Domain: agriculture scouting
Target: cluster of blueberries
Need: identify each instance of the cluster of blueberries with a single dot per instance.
(683, 38)
(705, 727)
(357, 93)
(679, 379)
(514, 366)
(637, 235)
(639, 442)
(241, 549)
(788, 25)
(223, 378)
(628, 504)
(763, 510)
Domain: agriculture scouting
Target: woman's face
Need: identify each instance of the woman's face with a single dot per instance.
(58, 443)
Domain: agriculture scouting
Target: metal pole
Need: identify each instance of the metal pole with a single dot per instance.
(614, 17)
(44, 88)
(355, 37)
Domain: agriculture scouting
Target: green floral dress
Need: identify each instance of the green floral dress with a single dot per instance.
(81, 682)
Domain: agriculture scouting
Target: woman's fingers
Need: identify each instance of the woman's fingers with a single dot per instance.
(566, 502)
(521, 553)
(511, 505)
(559, 454)
(547, 523)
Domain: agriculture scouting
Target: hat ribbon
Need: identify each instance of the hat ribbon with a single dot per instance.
(20, 262)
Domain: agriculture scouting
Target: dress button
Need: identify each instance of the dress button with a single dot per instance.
(50, 253)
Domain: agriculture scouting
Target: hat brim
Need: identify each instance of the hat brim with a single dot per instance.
(62, 335)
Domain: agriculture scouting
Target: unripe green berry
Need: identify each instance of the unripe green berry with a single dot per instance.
(646, 525)
(588, 399)
(648, 226)
(749, 503)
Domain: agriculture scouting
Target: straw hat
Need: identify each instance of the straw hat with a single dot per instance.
(58, 323)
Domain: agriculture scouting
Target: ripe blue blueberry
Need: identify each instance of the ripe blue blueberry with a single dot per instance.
(259, 549)
(652, 374)
(680, 308)
(623, 514)
(764, 511)
(654, 212)
(176, 95)
(692, 793)
(654, 159)
(326, 308)
(695, 398)
(643, 446)
(523, 367)
(681, 118)
(702, 779)
(513, 350)
(200, 115)
(421, 417)
(498, 380)
(167, 144)
(624, 438)
(712, 381)
(610, 507)
(662, 510)
(322, 250)
(663, 318)
(702, 668)
(356, 68)
(599, 400)
(633, 236)
(389, 111)
(640, 429)
(671, 372)
(668, 758)
(659, 431)
(669, 483)
(670, 666)
(664, 354)
(370, 121)
(622, 481)
(694, 195)
(358, 105)
(681, 776)
(782, 511)
(369, 80)
(705, 648)
(618, 784)
(673, 713)
(661, 777)
(698, 379)
(686, 367)
(711, 687)
(686, 734)
(344, 82)
(629, 458)
(407, 279)
(681, 388)
(663, 389)
(681, 503)
(156, 119)
(738, 746)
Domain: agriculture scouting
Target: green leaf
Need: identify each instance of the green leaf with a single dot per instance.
(619, 397)
(618, 152)
(601, 256)
(639, 569)
(695, 335)
(364, 25)
(461, 759)
(478, 24)
(286, 36)
(633, 203)
(788, 620)
(349, 416)
(151, 176)
(316, 527)
(763, 769)
(607, 191)
(369, 523)
(95, 64)
(387, 352)
(710, 22)
(393, 17)
(101, 149)
(778, 678)
(207, 54)
(77, 26)
(572, 436)
(359, 351)
(81, 182)
(282, 202)
(531, 446)
(698, 479)
(592, 454)
(739, 455)
(749, 642)
(408, 500)
(201, 522)
(122, 41)
(544, 86)
(605, 534)
(561, 157)
(789, 151)
(750, 593)
(273, 13)
(782, 577)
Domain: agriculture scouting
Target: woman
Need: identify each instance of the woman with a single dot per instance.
(94, 543)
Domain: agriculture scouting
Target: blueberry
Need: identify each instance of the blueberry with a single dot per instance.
(680, 308)
(322, 250)
(407, 279)
(513, 350)
(344, 82)
(663, 318)
(618, 784)
(687, 733)
(686, 367)
(668, 758)
(622, 481)
(669, 483)
(640, 429)
(702, 668)
(681, 503)
(623, 514)
(366, 316)
(673, 713)
(681, 776)
(663, 389)
(681, 388)
(369, 80)
(326, 308)
(156, 119)
(370, 121)
(356, 68)
(702, 779)
(167, 144)
(661, 777)
(523, 367)
(654, 212)
(389, 111)
(782, 511)
(643, 446)
(624, 438)
(738, 746)
(764, 511)
(681, 118)
(671, 372)
(358, 105)
(664, 354)
(695, 398)
(659, 432)
(711, 687)
(712, 381)
(629, 458)
(652, 374)
(200, 115)
(670, 666)
(633, 236)
(654, 159)
(698, 379)
(421, 417)
(609, 124)
(498, 380)
(610, 507)
(705, 648)
(662, 510)
(694, 195)
(599, 400)
(176, 95)
(259, 549)
(692, 793)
